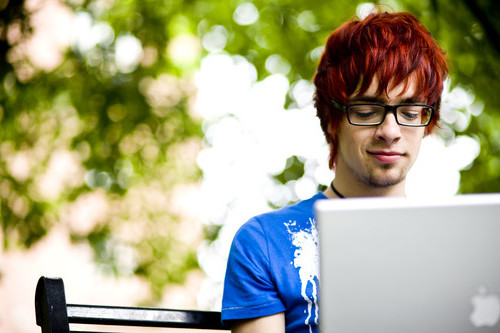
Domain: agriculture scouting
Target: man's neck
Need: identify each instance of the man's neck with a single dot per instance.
(353, 188)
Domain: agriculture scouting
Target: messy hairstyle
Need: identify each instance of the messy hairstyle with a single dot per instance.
(389, 46)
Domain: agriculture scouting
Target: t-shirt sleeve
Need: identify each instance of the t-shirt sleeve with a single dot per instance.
(249, 287)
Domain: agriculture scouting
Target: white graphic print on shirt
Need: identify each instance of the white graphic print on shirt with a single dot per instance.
(306, 259)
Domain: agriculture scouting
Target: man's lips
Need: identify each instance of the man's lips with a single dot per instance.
(386, 156)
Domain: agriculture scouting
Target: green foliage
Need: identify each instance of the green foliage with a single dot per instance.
(212, 232)
(125, 134)
(294, 169)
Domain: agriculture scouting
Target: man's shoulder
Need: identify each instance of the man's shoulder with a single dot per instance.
(302, 210)
(276, 231)
(301, 206)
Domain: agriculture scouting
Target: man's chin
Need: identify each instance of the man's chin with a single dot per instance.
(386, 179)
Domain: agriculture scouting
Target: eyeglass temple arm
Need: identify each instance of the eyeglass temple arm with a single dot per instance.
(338, 105)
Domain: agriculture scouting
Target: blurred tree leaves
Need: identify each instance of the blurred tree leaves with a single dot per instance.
(102, 140)
(294, 169)
(113, 121)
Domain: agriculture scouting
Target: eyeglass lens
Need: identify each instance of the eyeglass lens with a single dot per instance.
(412, 115)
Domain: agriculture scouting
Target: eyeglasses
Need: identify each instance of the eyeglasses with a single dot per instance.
(413, 115)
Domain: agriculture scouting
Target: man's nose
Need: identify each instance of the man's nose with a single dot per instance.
(389, 130)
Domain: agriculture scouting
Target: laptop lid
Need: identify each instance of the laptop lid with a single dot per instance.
(405, 265)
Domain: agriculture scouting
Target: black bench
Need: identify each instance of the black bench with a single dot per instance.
(53, 315)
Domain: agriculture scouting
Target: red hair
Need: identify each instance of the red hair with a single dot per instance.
(389, 46)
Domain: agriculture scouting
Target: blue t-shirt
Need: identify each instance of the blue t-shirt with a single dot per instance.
(273, 267)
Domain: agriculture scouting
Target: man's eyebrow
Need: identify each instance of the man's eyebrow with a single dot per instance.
(412, 100)
(380, 100)
(366, 99)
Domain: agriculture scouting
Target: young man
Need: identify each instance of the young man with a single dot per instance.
(378, 88)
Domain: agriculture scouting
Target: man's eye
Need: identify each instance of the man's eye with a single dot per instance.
(365, 114)
(411, 115)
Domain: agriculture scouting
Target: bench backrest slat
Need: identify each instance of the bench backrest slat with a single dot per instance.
(53, 315)
(149, 317)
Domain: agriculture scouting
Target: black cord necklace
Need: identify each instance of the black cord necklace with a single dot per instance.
(336, 192)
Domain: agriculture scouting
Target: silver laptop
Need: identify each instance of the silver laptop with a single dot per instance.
(407, 265)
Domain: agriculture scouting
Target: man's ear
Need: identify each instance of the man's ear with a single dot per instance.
(332, 131)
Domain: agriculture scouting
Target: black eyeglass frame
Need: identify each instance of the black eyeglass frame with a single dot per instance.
(387, 108)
